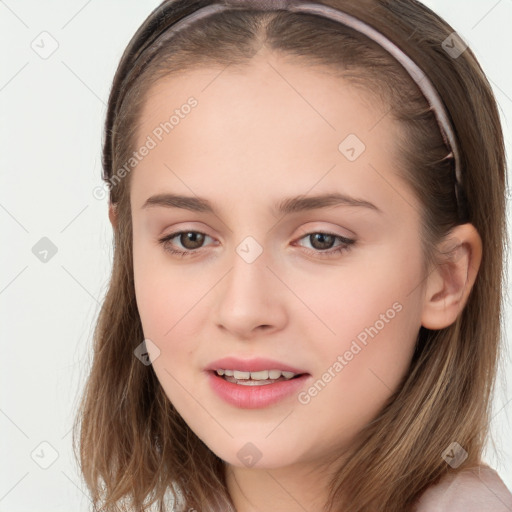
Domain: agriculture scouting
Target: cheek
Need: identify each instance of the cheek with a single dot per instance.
(168, 309)
(364, 299)
(163, 296)
(374, 319)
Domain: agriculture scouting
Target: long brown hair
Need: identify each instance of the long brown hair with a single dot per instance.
(134, 447)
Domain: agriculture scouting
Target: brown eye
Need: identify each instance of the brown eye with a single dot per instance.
(322, 241)
(323, 244)
(191, 240)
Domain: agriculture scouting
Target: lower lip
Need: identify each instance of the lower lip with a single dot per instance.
(255, 397)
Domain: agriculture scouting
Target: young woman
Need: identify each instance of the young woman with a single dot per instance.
(308, 202)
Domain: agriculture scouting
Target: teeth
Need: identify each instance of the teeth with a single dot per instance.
(241, 375)
(274, 374)
(261, 375)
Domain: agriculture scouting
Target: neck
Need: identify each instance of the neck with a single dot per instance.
(296, 488)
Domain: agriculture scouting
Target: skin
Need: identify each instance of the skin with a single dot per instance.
(259, 135)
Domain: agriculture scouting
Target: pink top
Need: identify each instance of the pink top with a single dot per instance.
(471, 490)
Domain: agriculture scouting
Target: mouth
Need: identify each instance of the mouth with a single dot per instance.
(255, 383)
(257, 378)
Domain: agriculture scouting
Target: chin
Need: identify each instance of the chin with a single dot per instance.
(257, 454)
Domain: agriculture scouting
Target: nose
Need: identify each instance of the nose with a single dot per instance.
(251, 298)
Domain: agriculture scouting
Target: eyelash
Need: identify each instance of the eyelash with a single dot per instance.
(346, 245)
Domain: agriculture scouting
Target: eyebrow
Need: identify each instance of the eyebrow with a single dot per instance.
(285, 206)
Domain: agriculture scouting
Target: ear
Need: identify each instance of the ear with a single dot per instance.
(112, 214)
(450, 282)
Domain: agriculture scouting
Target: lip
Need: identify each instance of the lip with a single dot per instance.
(255, 397)
(251, 365)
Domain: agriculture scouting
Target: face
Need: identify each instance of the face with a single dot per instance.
(330, 291)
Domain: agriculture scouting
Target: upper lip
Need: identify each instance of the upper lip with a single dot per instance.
(251, 365)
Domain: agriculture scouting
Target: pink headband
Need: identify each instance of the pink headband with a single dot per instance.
(301, 6)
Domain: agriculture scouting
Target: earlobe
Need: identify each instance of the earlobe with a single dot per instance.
(112, 214)
(450, 282)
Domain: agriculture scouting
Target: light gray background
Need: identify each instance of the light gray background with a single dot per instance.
(52, 115)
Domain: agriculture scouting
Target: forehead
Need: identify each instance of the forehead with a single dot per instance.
(287, 89)
(272, 125)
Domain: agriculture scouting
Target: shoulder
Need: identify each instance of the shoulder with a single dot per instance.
(478, 489)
